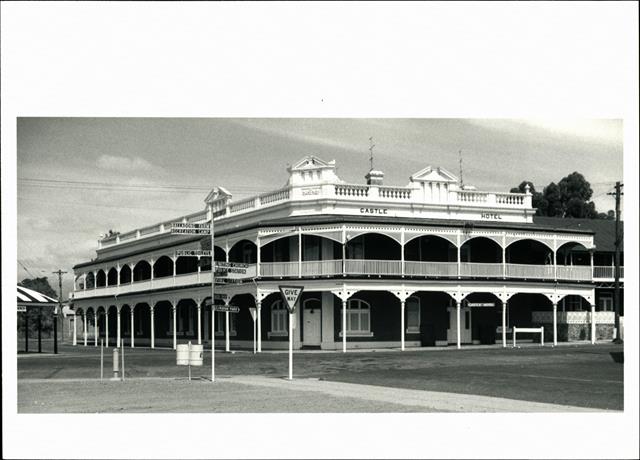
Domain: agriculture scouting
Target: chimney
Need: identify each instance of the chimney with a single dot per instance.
(374, 177)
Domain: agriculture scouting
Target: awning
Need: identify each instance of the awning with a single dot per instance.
(30, 298)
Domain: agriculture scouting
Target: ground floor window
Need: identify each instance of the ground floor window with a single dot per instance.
(278, 318)
(358, 317)
(605, 302)
(412, 308)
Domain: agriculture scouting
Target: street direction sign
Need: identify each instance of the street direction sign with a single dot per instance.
(193, 252)
(219, 295)
(291, 294)
(22, 308)
(182, 228)
(481, 304)
(237, 265)
(229, 308)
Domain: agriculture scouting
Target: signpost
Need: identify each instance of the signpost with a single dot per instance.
(227, 308)
(182, 228)
(193, 252)
(291, 296)
(188, 228)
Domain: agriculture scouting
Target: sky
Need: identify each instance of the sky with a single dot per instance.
(80, 177)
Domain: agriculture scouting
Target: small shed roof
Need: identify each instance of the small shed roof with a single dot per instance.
(29, 297)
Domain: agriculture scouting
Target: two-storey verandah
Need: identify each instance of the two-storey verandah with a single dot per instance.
(347, 251)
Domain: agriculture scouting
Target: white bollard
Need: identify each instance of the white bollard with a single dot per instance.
(116, 364)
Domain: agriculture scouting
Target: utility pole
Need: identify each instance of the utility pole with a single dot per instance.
(616, 273)
(55, 317)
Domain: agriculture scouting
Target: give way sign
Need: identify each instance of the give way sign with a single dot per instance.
(291, 294)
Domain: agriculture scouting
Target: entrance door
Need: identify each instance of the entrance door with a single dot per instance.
(465, 325)
(312, 319)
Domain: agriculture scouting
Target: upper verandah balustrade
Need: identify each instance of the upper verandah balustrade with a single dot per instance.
(432, 193)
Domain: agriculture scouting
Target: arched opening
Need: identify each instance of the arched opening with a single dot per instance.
(529, 252)
(481, 250)
(530, 310)
(91, 322)
(573, 262)
(125, 274)
(280, 250)
(573, 254)
(100, 322)
(125, 323)
(371, 316)
(186, 320)
(101, 279)
(163, 323)
(91, 281)
(142, 323)
(244, 251)
(163, 267)
(480, 318)
(142, 271)
(186, 265)
(574, 303)
(373, 246)
(112, 313)
(430, 248)
(112, 277)
(315, 248)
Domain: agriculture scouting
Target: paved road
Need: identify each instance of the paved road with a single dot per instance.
(581, 376)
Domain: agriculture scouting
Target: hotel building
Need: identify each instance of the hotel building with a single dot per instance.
(430, 263)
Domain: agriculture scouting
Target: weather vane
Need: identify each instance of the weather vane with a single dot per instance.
(371, 146)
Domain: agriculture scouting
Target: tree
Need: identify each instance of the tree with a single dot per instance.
(39, 284)
(568, 198)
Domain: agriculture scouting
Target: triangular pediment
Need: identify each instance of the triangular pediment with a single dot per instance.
(431, 174)
(311, 162)
(217, 193)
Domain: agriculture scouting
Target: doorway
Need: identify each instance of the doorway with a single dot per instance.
(465, 325)
(312, 323)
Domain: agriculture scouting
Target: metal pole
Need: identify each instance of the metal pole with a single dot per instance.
(122, 358)
(189, 361)
(101, 359)
(59, 311)
(39, 329)
(344, 326)
(290, 346)
(458, 325)
(402, 305)
(555, 324)
(504, 324)
(616, 273)
(254, 335)
(227, 344)
(213, 315)
(26, 330)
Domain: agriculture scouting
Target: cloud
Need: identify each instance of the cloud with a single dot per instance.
(116, 163)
